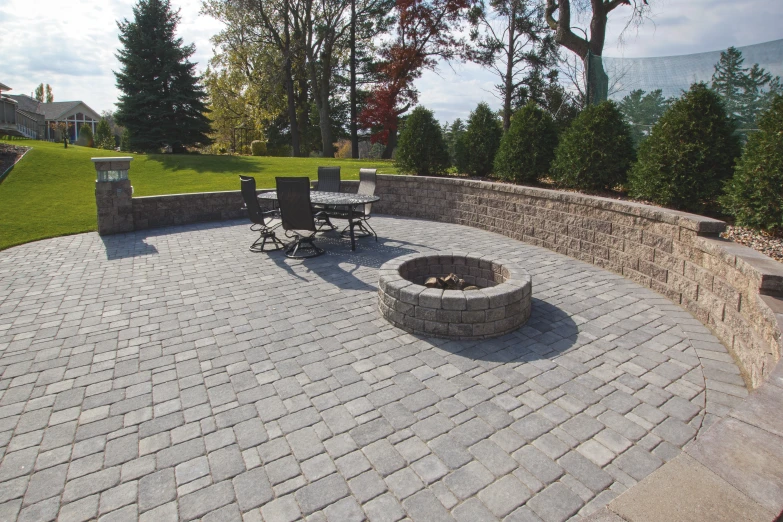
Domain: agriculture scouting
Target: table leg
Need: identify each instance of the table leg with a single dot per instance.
(350, 228)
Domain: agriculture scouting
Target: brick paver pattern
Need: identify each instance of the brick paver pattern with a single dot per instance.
(173, 374)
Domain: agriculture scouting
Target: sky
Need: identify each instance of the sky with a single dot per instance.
(72, 45)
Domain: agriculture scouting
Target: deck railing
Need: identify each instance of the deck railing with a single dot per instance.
(7, 112)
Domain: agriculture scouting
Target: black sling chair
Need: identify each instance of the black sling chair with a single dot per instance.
(260, 218)
(296, 212)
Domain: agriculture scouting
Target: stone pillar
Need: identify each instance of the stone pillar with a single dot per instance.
(113, 195)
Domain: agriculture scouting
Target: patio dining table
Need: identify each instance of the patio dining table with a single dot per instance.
(341, 200)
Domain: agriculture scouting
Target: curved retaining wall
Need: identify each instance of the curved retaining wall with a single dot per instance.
(730, 288)
(734, 290)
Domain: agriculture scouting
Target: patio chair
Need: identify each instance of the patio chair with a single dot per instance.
(328, 181)
(367, 179)
(296, 213)
(261, 219)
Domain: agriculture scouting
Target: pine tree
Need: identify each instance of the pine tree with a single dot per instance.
(162, 100)
(642, 111)
(746, 92)
(103, 136)
(729, 79)
(481, 140)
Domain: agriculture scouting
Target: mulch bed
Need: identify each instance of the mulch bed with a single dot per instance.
(10, 154)
(768, 244)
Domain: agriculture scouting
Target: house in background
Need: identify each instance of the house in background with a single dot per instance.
(21, 115)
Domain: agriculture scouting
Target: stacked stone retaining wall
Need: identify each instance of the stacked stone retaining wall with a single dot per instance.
(734, 290)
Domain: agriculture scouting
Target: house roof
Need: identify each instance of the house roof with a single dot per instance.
(54, 110)
(25, 103)
(4, 87)
(50, 111)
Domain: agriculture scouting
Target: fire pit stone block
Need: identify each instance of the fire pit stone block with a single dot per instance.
(500, 305)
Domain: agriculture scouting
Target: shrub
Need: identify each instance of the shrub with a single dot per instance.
(421, 149)
(258, 148)
(85, 136)
(754, 196)
(125, 141)
(477, 147)
(528, 147)
(596, 151)
(343, 149)
(688, 155)
(103, 135)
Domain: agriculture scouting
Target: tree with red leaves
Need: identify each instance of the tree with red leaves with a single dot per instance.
(426, 30)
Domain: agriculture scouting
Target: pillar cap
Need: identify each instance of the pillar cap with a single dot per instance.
(112, 158)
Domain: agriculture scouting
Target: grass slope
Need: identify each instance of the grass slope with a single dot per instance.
(51, 192)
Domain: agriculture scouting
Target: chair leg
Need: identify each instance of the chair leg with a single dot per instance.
(364, 224)
(322, 220)
(260, 244)
(303, 243)
(364, 231)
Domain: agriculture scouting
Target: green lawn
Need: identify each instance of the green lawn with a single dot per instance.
(51, 192)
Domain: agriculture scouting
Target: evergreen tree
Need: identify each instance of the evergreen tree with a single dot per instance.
(596, 151)
(125, 141)
(452, 134)
(103, 135)
(746, 92)
(754, 196)
(688, 155)
(642, 111)
(729, 79)
(421, 149)
(527, 149)
(162, 101)
(481, 140)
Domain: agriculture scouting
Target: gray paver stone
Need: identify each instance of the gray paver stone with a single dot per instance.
(252, 489)
(321, 493)
(91, 484)
(226, 463)
(156, 489)
(556, 503)
(425, 507)
(45, 484)
(201, 502)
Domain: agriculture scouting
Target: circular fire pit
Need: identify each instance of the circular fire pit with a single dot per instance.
(500, 305)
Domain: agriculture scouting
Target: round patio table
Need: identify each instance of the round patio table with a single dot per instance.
(340, 200)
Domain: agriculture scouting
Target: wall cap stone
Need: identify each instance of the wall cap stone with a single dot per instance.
(700, 224)
(112, 158)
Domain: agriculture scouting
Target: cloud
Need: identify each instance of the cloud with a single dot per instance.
(675, 28)
(71, 46)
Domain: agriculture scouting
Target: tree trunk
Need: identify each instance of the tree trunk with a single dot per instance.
(509, 70)
(292, 121)
(596, 80)
(322, 99)
(289, 88)
(390, 144)
(354, 130)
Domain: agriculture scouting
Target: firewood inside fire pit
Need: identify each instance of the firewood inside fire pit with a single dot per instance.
(449, 282)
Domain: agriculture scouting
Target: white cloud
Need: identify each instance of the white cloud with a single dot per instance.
(71, 45)
(676, 27)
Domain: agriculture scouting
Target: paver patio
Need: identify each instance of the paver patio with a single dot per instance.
(174, 374)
